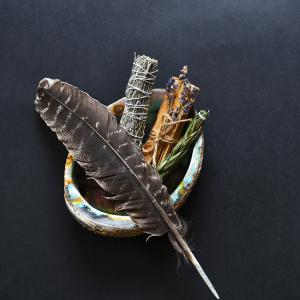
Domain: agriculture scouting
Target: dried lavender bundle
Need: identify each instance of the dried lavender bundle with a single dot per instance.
(171, 118)
(138, 92)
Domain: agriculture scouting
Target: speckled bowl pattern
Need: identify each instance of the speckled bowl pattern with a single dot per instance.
(110, 224)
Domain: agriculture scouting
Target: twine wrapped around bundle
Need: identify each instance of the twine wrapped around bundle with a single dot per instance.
(191, 134)
(163, 137)
(171, 118)
(137, 93)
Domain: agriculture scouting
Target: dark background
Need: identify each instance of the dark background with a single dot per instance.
(245, 210)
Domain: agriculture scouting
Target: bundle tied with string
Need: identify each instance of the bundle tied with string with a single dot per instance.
(163, 136)
(138, 92)
(191, 134)
(171, 119)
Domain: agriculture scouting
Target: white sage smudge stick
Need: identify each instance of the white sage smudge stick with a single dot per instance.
(138, 92)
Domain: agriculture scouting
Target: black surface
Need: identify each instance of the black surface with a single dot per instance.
(245, 211)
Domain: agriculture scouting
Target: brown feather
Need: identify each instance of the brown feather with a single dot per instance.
(109, 156)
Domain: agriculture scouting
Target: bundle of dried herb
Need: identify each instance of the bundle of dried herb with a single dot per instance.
(137, 93)
(172, 116)
(181, 148)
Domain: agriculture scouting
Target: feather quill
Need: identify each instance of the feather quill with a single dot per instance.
(108, 155)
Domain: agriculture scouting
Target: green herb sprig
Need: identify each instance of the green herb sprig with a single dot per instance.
(191, 134)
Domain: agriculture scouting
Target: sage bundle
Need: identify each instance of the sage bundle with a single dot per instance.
(138, 92)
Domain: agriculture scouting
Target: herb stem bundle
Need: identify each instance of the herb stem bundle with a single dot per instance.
(191, 134)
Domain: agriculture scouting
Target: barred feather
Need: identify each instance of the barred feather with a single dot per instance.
(108, 155)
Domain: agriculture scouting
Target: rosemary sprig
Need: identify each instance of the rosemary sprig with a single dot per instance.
(191, 134)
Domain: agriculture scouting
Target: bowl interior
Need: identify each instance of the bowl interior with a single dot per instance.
(95, 196)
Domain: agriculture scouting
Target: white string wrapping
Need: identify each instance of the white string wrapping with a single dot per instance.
(138, 92)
